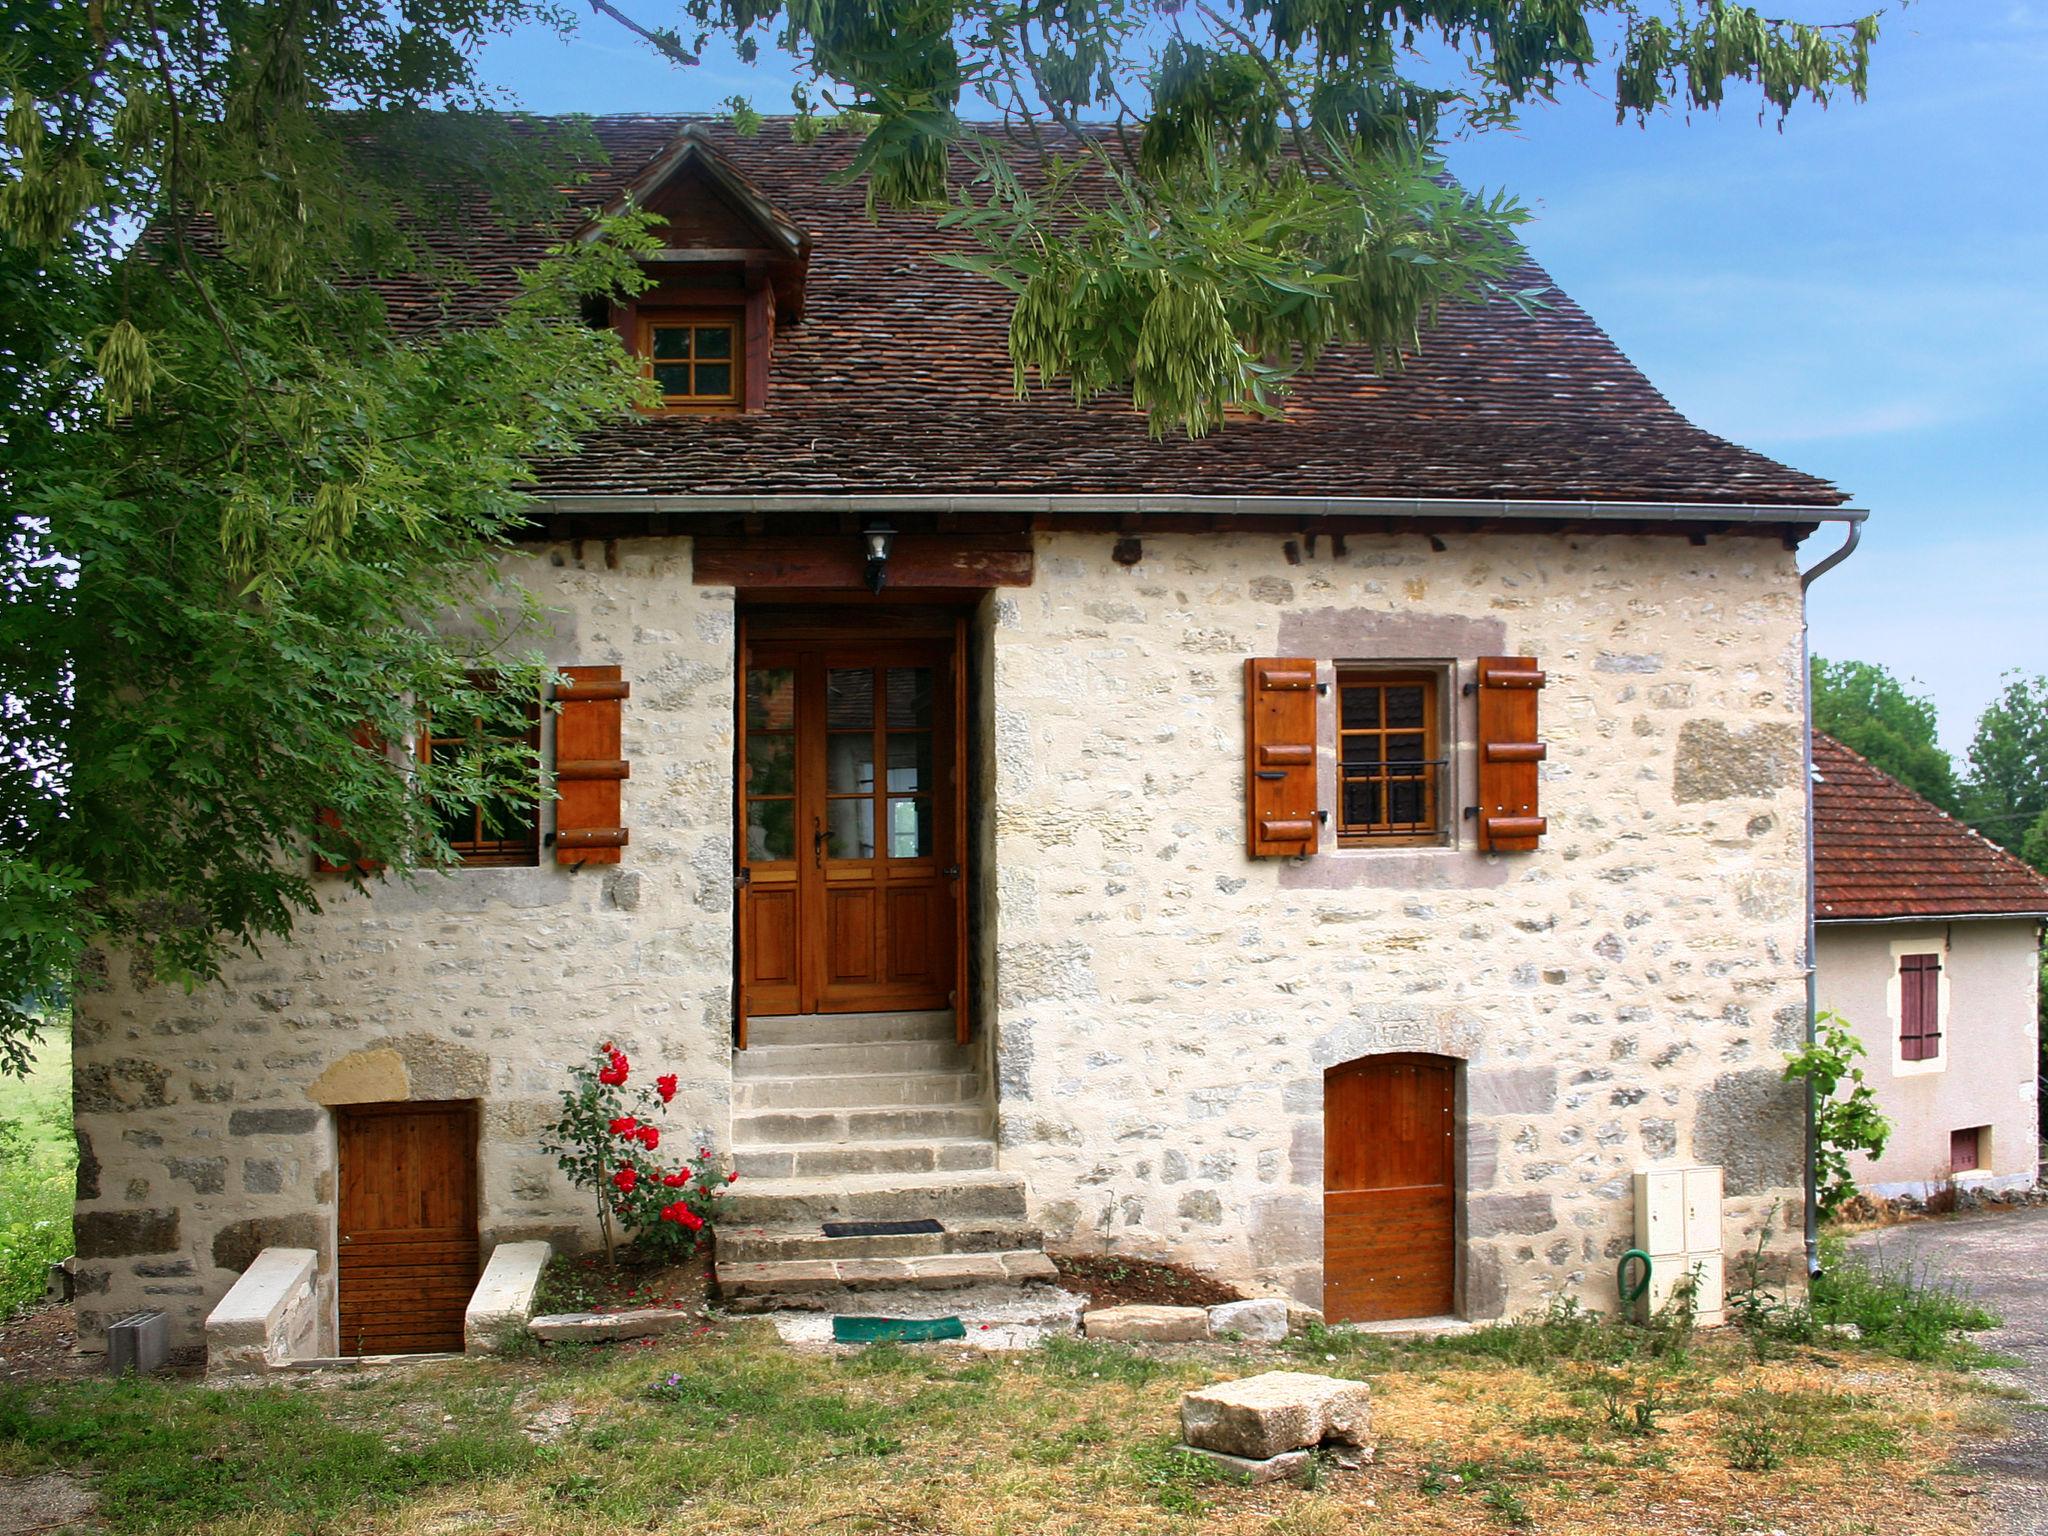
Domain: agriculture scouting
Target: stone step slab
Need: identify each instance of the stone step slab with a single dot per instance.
(1262, 1320)
(825, 1282)
(806, 1160)
(869, 1197)
(849, 1028)
(1260, 1417)
(597, 1327)
(885, 1122)
(754, 1245)
(1288, 1466)
(1147, 1325)
(855, 1090)
(839, 1060)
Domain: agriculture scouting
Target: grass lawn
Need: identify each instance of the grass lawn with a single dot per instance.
(1563, 1426)
(37, 1159)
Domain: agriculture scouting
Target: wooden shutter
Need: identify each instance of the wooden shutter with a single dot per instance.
(331, 823)
(1280, 756)
(1508, 753)
(589, 765)
(1919, 1007)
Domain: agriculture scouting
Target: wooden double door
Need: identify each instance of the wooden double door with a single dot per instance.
(852, 823)
(407, 1259)
(1389, 1189)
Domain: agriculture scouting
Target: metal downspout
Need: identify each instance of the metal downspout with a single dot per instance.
(1807, 579)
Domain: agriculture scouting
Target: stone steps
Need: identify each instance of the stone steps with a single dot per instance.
(819, 1060)
(767, 1245)
(803, 1160)
(866, 1117)
(847, 1028)
(880, 1122)
(856, 1090)
(876, 1197)
(826, 1282)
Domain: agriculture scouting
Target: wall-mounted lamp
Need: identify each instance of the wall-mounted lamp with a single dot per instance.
(878, 538)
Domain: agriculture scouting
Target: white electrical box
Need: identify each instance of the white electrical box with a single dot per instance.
(1678, 1224)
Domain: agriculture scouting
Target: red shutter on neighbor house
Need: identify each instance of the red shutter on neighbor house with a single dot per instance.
(331, 828)
(589, 765)
(1280, 756)
(1919, 1007)
(1509, 751)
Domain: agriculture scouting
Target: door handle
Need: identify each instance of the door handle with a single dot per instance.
(953, 872)
(817, 842)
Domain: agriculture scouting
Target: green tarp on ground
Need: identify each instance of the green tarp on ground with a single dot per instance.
(895, 1330)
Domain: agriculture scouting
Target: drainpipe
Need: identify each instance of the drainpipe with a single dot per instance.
(1807, 579)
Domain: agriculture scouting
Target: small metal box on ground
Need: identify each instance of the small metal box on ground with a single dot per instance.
(139, 1342)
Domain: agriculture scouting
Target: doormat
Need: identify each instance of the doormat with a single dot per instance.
(895, 1330)
(882, 1228)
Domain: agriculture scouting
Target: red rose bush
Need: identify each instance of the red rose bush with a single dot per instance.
(606, 1141)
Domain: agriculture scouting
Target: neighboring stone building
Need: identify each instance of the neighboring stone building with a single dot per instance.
(1333, 854)
(1930, 947)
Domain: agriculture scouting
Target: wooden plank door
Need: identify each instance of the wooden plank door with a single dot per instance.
(851, 875)
(407, 1259)
(1389, 1201)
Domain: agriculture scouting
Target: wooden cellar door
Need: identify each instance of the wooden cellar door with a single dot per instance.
(1389, 1196)
(407, 1260)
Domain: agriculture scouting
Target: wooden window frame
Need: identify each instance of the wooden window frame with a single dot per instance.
(648, 321)
(1433, 831)
(481, 851)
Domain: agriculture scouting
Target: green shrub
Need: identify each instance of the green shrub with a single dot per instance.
(38, 1162)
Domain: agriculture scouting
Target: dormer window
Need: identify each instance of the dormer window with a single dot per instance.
(695, 360)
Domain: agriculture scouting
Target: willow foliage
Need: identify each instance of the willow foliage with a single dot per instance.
(1191, 199)
(250, 523)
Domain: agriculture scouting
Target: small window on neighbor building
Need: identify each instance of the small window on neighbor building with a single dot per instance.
(694, 361)
(1389, 758)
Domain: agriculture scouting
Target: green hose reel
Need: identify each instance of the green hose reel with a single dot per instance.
(1631, 1294)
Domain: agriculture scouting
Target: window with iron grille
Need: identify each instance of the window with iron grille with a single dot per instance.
(1390, 758)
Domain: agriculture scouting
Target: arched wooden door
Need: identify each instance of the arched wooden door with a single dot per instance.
(1389, 1194)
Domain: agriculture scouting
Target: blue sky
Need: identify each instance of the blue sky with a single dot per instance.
(1861, 295)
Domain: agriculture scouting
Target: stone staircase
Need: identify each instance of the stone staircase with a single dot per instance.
(866, 1117)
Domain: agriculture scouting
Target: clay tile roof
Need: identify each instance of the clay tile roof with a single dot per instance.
(897, 381)
(1882, 851)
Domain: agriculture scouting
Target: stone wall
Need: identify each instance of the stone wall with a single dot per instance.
(1985, 1074)
(1160, 1008)
(1166, 1007)
(204, 1121)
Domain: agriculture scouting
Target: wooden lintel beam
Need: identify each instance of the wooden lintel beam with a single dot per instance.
(916, 561)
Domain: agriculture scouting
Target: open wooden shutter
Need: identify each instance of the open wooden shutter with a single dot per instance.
(589, 765)
(1280, 756)
(331, 824)
(1919, 1007)
(1508, 753)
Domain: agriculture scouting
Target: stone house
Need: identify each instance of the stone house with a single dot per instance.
(1930, 947)
(1332, 854)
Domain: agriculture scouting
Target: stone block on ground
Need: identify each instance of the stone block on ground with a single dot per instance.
(1288, 1464)
(503, 1299)
(1263, 1416)
(1262, 1321)
(1146, 1325)
(598, 1327)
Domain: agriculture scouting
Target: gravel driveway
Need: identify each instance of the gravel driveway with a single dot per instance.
(2003, 1261)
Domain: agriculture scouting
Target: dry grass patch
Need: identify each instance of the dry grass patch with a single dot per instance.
(734, 1433)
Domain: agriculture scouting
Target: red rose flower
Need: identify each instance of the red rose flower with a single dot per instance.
(665, 1085)
(689, 1218)
(676, 1180)
(730, 1177)
(625, 1125)
(626, 1178)
(649, 1136)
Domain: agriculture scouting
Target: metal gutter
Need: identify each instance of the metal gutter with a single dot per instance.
(1935, 917)
(1225, 506)
(1807, 578)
